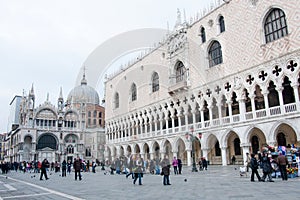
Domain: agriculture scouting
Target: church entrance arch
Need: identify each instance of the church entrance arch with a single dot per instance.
(27, 148)
(47, 140)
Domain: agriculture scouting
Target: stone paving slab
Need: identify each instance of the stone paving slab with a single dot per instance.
(218, 182)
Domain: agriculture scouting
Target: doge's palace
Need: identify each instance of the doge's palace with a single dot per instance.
(223, 84)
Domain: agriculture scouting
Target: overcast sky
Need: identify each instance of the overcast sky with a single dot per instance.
(45, 43)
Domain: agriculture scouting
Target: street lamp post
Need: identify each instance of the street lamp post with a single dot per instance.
(192, 139)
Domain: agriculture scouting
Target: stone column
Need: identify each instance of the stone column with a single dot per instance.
(151, 155)
(229, 103)
(253, 105)
(296, 94)
(186, 119)
(220, 112)
(205, 152)
(281, 103)
(202, 117)
(242, 107)
(246, 149)
(179, 119)
(189, 157)
(266, 101)
(224, 156)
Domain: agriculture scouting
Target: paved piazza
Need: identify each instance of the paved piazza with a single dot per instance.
(218, 182)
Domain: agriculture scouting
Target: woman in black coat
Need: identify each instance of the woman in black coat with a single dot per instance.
(266, 167)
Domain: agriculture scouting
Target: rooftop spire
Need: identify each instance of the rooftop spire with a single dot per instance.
(83, 81)
(31, 90)
(60, 93)
(178, 21)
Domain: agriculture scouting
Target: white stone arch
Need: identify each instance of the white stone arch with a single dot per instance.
(42, 109)
(211, 141)
(146, 150)
(260, 134)
(136, 148)
(156, 148)
(275, 129)
(71, 111)
(206, 138)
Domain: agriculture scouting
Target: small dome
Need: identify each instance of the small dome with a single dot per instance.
(83, 94)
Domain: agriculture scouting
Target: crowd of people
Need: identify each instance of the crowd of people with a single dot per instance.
(42, 167)
(268, 165)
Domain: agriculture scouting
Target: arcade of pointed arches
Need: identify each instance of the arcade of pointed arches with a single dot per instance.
(212, 146)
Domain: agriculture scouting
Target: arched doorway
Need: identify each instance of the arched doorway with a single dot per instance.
(234, 148)
(257, 140)
(27, 149)
(286, 136)
(214, 153)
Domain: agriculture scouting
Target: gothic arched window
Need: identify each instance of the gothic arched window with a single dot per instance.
(70, 149)
(116, 100)
(155, 82)
(133, 92)
(180, 72)
(273, 95)
(222, 24)
(215, 54)
(203, 35)
(287, 92)
(275, 25)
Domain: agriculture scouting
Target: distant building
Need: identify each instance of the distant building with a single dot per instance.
(223, 84)
(72, 128)
(13, 120)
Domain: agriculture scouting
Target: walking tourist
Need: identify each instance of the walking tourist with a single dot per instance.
(254, 167)
(77, 165)
(175, 165)
(45, 165)
(266, 167)
(138, 171)
(165, 172)
(64, 168)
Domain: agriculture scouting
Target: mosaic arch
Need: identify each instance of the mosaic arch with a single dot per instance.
(47, 140)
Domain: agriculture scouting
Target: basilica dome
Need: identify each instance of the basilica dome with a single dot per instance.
(83, 94)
